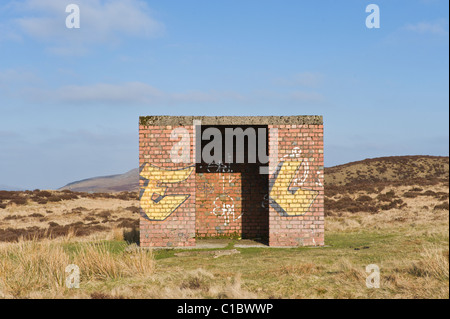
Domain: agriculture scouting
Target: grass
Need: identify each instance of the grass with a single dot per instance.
(434, 263)
(413, 263)
(411, 247)
(37, 268)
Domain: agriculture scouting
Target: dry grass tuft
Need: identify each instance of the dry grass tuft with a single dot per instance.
(117, 234)
(234, 290)
(97, 261)
(200, 283)
(32, 266)
(434, 263)
(197, 280)
(349, 272)
(297, 269)
(35, 267)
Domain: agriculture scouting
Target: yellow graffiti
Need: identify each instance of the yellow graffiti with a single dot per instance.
(155, 204)
(294, 201)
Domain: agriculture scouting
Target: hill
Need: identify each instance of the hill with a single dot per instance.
(128, 182)
(387, 183)
(406, 170)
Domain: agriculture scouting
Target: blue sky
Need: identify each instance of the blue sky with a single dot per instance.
(70, 98)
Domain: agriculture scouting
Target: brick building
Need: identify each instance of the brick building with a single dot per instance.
(255, 177)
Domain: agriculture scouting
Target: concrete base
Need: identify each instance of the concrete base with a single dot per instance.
(223, 243)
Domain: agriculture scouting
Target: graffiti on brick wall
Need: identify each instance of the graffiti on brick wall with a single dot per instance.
(224, 206)
(287, 195)
(304, 170)
(154, 202)
(219, 167)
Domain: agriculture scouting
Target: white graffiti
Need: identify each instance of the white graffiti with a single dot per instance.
(224, 207)
(224, 204)
(295, 153)
(219, 167)
(298, 181)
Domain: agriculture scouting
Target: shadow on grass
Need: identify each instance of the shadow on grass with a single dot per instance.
(131, 236)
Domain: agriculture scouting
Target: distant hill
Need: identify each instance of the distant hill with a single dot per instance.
(112, 183)
(382, 169)
(389, 169)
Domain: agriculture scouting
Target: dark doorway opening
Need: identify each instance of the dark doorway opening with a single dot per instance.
(244, 159)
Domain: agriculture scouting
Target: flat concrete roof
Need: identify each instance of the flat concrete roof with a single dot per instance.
(232, 120)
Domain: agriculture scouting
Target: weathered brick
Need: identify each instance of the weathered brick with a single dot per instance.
(230, 203)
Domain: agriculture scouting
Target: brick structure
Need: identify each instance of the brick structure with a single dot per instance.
(276, 197)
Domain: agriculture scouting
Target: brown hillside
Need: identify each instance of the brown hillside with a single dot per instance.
(399, 170)
(127, 182)
(388, 183)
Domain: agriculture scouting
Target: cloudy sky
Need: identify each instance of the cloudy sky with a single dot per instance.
(70, 98)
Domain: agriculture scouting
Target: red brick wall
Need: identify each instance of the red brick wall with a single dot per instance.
(232, 204)
(218, 204)
(178, 229)
(293, 225)
(178, 204)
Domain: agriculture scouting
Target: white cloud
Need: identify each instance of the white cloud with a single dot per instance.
(139, 93)
(25, 85)
(11, 82)
(101, 22)
(130, 93)
(439, 27)
(10, 76)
